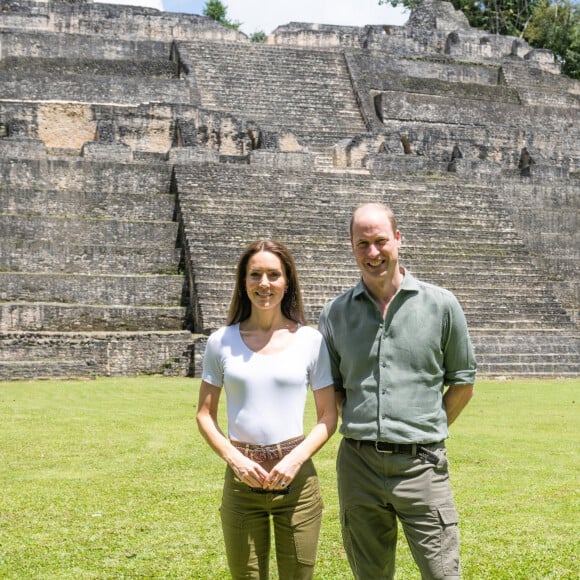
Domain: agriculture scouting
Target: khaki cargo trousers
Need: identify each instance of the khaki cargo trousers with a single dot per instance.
(376, 489)
(296, 515)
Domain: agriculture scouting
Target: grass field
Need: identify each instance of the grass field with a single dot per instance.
(109, 479)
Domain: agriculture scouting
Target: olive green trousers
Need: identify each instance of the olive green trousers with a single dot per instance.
(376, 489)
(296, 516)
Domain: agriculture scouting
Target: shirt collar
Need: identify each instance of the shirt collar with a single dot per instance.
(410, 284)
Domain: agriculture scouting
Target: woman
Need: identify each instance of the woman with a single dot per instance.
(265, 358)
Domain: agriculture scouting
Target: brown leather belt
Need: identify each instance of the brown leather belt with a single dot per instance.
(268, 454)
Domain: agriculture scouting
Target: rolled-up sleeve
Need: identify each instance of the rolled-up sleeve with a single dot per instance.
(460, 363)
(325, 329)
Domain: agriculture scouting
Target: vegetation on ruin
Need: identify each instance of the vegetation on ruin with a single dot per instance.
(550, 24)
(110, 479)
(218, 11)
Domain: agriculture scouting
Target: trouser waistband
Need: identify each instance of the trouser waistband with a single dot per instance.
(263, 453)
(386, 447)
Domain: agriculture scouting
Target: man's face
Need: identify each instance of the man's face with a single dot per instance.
(374, 244)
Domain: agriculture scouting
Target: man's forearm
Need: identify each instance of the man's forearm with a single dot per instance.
(456, 399)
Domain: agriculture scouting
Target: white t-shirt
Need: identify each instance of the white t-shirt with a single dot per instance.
(266, 394)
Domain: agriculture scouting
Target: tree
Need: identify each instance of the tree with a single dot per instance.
(507, 17)
(550, 24)
(556, 26)
(218, 12)
(259, 36)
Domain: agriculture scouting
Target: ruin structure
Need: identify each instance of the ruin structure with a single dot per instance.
(141, 150)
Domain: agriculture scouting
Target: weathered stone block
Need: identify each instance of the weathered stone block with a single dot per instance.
(107, 152)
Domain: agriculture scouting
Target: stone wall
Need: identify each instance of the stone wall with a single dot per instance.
(32, 355)
(110, 21)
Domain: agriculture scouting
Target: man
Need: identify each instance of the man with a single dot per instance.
(395, 343)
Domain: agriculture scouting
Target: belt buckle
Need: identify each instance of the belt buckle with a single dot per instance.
(386, 451)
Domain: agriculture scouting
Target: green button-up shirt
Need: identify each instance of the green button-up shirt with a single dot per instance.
(393, 370)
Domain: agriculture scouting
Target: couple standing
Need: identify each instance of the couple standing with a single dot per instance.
(384, 353)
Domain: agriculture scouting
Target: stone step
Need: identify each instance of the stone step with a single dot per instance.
(531, 369)
(512, 306)
(443, 266)
(29, 355)
(529, 358)
(408, 214)
(131, 206)
(53, 67)
(92, 289)
(538, 341)
(47, 257)
(408, 223)
(45, 369)
(37, 44)
(287, 229)
(89, 231)
(93, 89)
(85, 176)
(530, 322)
(19, 316)
(313, 284)
(480, 314)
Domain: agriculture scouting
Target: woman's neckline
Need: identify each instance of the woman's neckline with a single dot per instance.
(269, 342)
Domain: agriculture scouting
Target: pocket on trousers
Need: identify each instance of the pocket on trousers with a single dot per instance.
(306, 533)
(449, 519)
(306, 518)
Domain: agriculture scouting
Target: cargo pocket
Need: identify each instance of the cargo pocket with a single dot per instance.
(306, 530)
(449, 519)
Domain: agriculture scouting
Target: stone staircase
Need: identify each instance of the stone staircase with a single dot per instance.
(89, 270)
(450, 230)
(270, 86)
(39, 66)
(547, 214)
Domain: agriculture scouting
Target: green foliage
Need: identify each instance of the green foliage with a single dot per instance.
(409, 4)
(549, 24)
(259, 36)
(110, 479)
(218, 11)
(556, 26)
(508, 17)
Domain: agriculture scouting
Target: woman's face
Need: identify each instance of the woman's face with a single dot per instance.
(266, 281)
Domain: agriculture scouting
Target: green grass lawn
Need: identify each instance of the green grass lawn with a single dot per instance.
(109, 479)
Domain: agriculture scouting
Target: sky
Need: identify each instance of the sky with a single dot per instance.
(266, 15)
